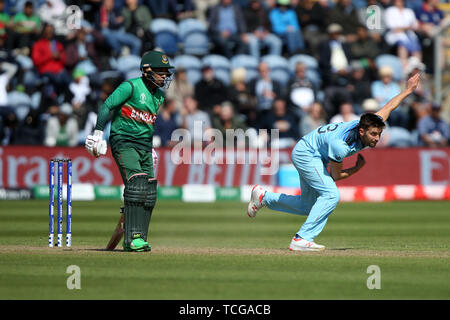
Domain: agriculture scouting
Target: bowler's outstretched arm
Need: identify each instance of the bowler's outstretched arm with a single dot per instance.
(386, 110)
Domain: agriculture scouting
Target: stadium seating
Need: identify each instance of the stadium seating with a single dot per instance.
(221, 66)
(248, 62)
(192, 65)
(193, 37)
(279, 68)
(166, 35)
(392, 61)
(127, 63)
(312, 65)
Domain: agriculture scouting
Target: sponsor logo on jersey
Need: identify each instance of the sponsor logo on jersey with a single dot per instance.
(138, 115)
(142, 98)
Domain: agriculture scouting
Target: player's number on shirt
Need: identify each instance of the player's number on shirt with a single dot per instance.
(328, 128)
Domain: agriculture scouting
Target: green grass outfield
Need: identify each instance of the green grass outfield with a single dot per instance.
(214, 251)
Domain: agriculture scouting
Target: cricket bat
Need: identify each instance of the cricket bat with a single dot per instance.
(117, 234)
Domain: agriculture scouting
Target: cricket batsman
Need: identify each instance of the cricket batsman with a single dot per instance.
(326, 145)
(134, 106)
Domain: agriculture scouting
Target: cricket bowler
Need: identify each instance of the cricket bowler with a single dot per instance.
(326, 145)
(134, 106)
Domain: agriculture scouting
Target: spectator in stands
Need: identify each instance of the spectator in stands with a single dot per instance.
(179, 88)
(62, 130)
(111, 23)
(197, 122)
(312, 17)
(227, 119)
(301, 93)
(364, 48)
(402, 24)
(433, 130)
(171, 9)
(9, 125)
(5, 53)
(345, 15)
(227, 28)
(92, 106)
(285, 25)
(241, 97)
(264, 88)
(259, 28)
(334, 59)
(166, 123)
(49, 57)
(418, 101)
(284, 121)
(359, 85)
(202, 7)
(4, 15)
(80, 89)
(430, 18)
(7, 72)
(346, 113)
(26, 28)
(31, 131)
(315, 118)
(210, 92)
(82, 50)
(137, 19)
(386, 88)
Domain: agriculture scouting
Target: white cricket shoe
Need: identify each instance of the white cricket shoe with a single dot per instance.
(299, 244)
(256, 201)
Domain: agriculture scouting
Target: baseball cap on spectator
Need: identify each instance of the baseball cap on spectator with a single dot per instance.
(65, 109)
(78, 73)
(334, 28)
(370, 105)
(385, 71)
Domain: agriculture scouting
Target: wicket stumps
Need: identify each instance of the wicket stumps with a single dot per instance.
(52, 177)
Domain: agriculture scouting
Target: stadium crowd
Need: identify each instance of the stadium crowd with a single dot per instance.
(291, 65)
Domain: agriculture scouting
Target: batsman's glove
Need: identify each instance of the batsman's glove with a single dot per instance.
(95, 144)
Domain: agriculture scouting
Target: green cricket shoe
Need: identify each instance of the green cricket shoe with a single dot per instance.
(138, 245)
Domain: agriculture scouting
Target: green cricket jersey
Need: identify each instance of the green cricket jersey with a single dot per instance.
(134, 108)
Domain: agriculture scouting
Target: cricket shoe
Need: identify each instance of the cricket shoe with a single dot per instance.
(138, 245)
(256, 201)
(299, 244)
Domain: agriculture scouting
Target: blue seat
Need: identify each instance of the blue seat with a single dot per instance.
(21, 111)
(133, 73)
(166, 35)
(192, 65)
(279, 68)
(309, 61)
(221, 66)
(312, 65)
(392, 61)
(248, 62)
(17, 97)
(193, 35)
(127, 63)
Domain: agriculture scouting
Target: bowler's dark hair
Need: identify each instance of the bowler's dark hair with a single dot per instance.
(368, 120)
